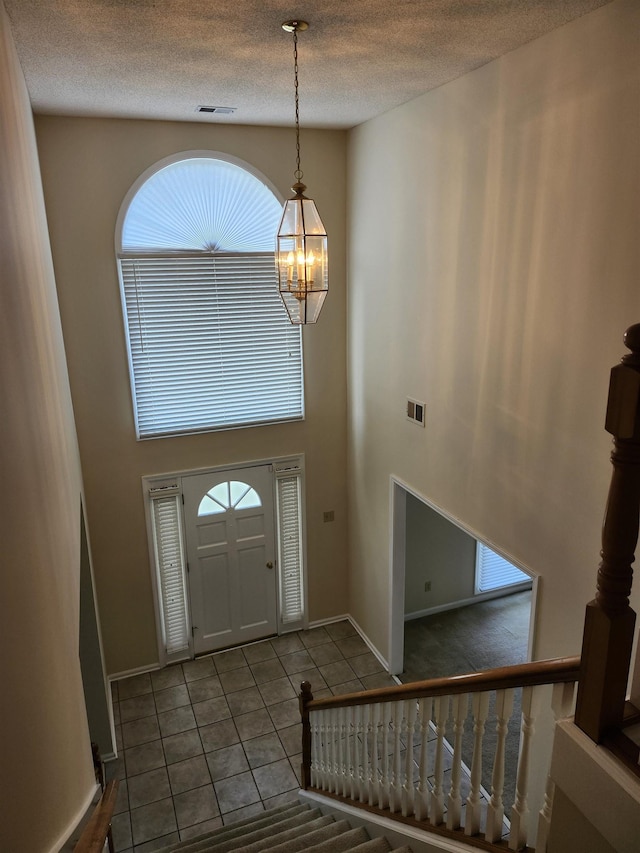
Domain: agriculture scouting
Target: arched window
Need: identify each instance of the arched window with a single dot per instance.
(229, 495)
(210, 344)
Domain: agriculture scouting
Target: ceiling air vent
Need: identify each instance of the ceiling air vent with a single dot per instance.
(219, 111)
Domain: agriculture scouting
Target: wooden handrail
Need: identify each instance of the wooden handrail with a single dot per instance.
(554, 671)
(98, 828)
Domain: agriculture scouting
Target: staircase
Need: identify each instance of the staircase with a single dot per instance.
(287, 829)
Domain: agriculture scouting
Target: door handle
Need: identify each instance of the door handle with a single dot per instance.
(269, 565)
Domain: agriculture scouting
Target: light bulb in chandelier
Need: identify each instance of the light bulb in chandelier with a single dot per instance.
(301, 242)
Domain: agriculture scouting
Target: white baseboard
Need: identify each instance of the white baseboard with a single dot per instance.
(140, 670)
(465, 602)
(319, 623)
(68, 839)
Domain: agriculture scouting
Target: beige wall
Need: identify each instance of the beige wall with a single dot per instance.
(493, 268)
(45, 752)
(437, 551)
(88, 166)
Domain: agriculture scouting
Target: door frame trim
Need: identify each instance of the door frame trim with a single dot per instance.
(172, 479)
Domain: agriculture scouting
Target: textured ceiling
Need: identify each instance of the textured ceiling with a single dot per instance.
(162, 58)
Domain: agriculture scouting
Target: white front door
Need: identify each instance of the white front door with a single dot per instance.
(229, 527)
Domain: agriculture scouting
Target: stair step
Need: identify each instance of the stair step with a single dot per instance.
(304, 843)
(343, 843)
(374, 845)
(281, 836)
(234, 831)
(291, 828)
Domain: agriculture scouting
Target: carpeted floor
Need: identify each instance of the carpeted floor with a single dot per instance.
(468, 639)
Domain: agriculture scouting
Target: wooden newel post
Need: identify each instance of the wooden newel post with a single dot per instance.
(305, 697)
(609, 621)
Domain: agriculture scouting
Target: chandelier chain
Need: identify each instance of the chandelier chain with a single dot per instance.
(298, 172)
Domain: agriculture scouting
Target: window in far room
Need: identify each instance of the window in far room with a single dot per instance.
(209, 342)
(494, 572)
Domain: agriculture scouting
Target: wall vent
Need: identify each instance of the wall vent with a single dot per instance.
(221, 111)
(415, 411)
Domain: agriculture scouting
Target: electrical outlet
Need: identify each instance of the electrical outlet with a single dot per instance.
(329, 516)
(427, 586)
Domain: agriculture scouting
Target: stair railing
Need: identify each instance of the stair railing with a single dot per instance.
(601, 709)
(97, 831)
(402, 751)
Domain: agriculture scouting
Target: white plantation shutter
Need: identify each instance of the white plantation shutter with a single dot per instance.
(210, 343)
(170, 568)
(494, 572)
(288, 493)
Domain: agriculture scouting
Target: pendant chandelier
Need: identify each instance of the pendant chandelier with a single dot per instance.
(301, 243)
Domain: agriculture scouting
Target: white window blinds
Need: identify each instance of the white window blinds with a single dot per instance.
(170, 570)
(494, 572)
(290, 549)
(210, 344)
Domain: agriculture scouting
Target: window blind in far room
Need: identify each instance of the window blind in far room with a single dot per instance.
(494, 572)
(170, 571)
(210, 345)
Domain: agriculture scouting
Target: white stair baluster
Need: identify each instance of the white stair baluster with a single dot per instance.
(314, 725)
(361, 752)
(437, 794)
(366, 753)
(324, 749)
(454, 800)
(385, 784)
(342, 752)
(421, 802)
(480, 705)
(408, 790)
(395, 792)
(562, 703)
(520, 811)
(321, 763)
(374, 769)
(333, 750)
(495, 809)
(351, 751)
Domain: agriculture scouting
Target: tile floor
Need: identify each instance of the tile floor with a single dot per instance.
(210, 741)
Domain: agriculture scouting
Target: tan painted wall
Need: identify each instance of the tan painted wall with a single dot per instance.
(44, 741)
(437, 551)
(494, 264)
(88, 166)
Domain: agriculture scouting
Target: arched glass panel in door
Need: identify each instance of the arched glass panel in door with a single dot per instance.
(229, 495)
